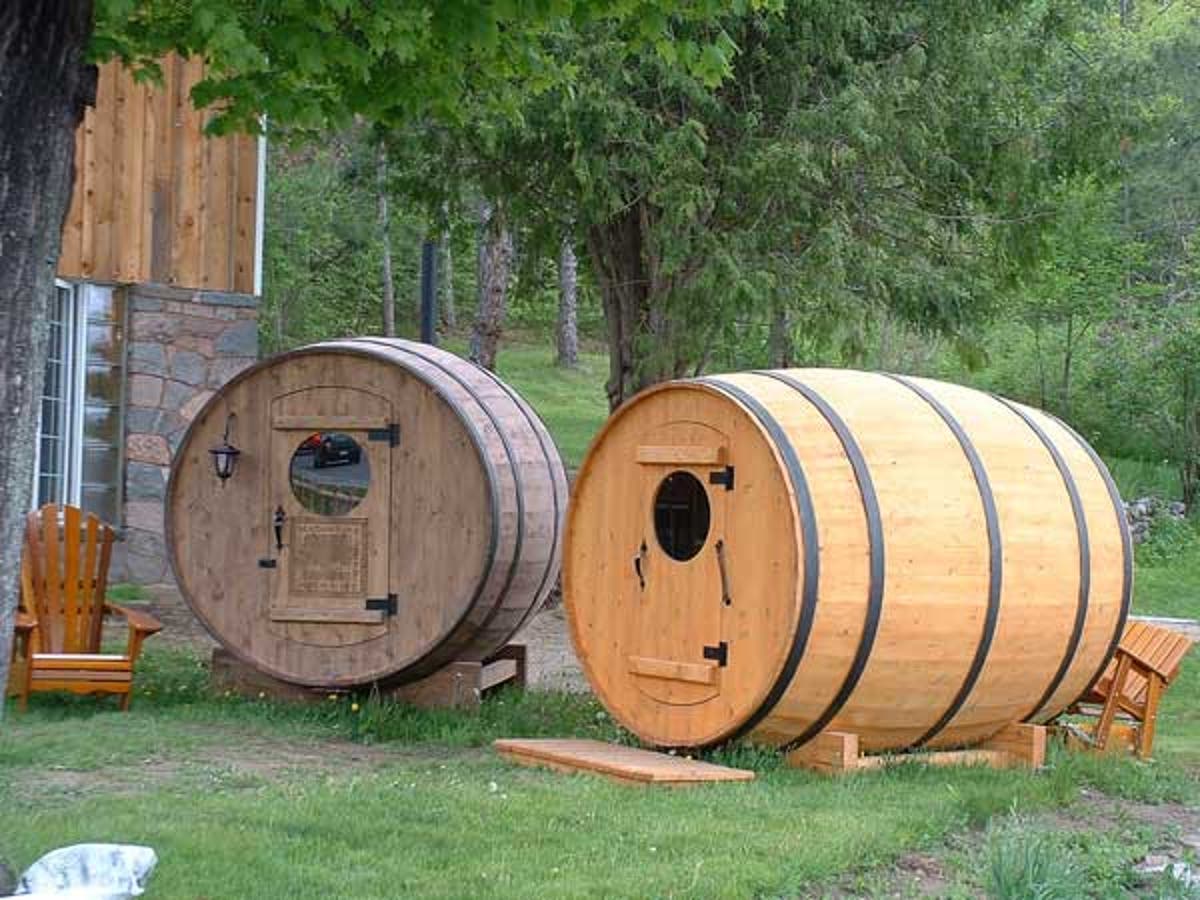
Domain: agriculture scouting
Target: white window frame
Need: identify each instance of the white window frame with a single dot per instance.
(75, 374)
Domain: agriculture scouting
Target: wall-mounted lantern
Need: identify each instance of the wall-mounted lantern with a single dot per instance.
(225, 456)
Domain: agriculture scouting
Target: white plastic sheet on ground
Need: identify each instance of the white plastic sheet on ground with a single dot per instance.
(89, 872)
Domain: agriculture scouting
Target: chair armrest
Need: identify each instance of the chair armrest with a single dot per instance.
(138, 621)
(25, 622)
(141, 626)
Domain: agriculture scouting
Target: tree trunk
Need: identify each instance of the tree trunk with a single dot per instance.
(495, 265)
(634, 293)
(448, 311)
(568, 307)
(1068, 358)
(385, 237)
(780, 347)
(44, 87)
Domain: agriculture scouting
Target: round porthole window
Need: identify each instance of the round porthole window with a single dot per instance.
(681, 515)
(330, 473)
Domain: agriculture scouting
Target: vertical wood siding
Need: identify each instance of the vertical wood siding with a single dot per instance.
(154, 199)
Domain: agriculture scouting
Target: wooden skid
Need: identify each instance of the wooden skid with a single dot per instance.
(837, 752)
(460, 685)
(1123, 737)
(627, 765)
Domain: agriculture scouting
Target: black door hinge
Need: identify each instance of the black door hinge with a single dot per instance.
(724, 477)
(389, 433)
(268, 564)
(719, 653)
(383, 604)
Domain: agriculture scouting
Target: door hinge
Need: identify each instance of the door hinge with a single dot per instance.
(389, 433)
(268, 564)
(719, 654)
(383, 604)
(724, 477)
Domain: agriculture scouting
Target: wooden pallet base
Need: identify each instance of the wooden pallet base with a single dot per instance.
(460, 685)
(1123, 738)
(627, 765)
(836, 752)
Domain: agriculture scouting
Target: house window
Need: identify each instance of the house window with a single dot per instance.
(56, 479)
(81, 433)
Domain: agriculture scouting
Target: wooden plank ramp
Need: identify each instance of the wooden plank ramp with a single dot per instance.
(628, 765)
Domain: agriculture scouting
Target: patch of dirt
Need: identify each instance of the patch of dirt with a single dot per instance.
(553, 665)
(912, 875)
(1095, 807)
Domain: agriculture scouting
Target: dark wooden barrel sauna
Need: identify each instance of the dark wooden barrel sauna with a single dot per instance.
(778, 554)
(393, 508)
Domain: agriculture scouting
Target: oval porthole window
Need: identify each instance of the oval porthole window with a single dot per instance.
(681, 515)
(330, 473)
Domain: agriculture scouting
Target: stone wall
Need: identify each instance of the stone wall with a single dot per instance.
(182, 346)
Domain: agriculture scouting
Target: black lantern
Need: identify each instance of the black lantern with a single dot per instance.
(225, 456)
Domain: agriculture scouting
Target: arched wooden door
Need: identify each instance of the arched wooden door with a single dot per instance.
(329, 502)
(676, 633)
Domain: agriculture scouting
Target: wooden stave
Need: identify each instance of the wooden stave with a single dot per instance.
(468, 638)
(948, 737)
(951, 736)
(534, 561)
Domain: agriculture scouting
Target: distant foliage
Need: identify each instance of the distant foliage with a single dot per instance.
(1169, 539)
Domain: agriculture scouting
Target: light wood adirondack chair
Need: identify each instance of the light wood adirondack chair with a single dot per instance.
(1146, 662)
(64, 576)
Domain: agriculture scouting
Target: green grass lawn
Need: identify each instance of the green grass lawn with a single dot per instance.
(259, 799)
(256, 799)
(571, 402)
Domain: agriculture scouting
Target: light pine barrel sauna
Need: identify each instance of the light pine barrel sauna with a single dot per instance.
(777, 554)
(394, 508)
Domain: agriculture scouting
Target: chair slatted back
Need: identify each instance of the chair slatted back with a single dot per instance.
(64, 577)
(1161, 649)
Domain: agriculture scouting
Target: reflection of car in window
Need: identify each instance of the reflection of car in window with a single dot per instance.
(310, 443)
(335, 447)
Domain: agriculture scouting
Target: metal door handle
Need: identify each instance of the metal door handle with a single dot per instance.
(637, 565)
(279, 518)
(726, 598)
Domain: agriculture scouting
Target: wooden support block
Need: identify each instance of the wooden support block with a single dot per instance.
(831, 752)
(1123, 737)
(837, 752)
(626, 765)
(460, 685)
(518, 654)
(457, 686)
(228, 673)
(1024, 743)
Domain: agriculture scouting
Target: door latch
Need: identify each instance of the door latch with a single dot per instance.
(279, 518)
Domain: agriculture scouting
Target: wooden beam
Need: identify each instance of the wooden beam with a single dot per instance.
(680, 456)
(837, 752)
